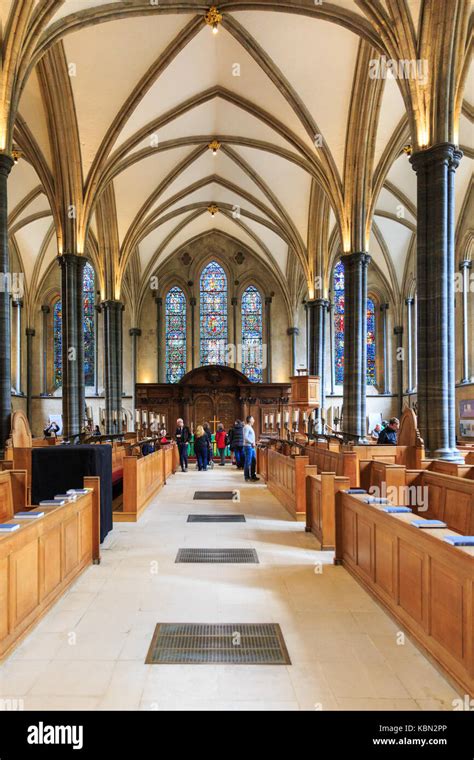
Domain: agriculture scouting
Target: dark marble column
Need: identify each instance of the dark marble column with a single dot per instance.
(18, 305)
(72, 342)
(355, 342)
(435, 168)
(44, 350)
(268, 321)
(318, 310)
(159, 307)
(30, 334)
(134, 333)
(96, 348)
(331, 345)
(192, 303)
(465, 267)
(112, 311)
(398, 331)
(386, 369)
(409, 304)
(293, 332)
(6, 163)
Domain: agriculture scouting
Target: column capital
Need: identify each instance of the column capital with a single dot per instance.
(111, 305)
(441, 153)
(135, 331)
(409, 301)
(30, 332)
(398, 330)
(293, 331)
(18, 302)
(71, 259)
(192, 301)
(268, 300)
(384, 307)
(357, 258)
(45, 308)
(320, 302)
(466, 264)
(158, 300)
(234, 301)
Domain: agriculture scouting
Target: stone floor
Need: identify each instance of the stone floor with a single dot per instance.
(89, 650)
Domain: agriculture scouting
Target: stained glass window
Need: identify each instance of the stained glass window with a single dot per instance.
(338, 285)
(370, 342)
(88, 292)
(175, 335)
(252, 364)
(213, 304)
(57, 343)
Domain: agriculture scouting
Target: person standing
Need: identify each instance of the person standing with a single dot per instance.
(221, 442)
(201, 447)
(250, 453)
(236, 443)
(182, 439)
(210, 452)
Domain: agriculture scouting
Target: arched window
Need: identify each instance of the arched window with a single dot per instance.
(175, 335)
(252, 334)
(213, 306)
(338, 284)
(88, 292)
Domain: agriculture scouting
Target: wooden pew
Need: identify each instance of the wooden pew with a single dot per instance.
(286, 480)
(449, 498)
(423, 582)
(321, 490)
(40, 561)
(342, 463)
(143, 478)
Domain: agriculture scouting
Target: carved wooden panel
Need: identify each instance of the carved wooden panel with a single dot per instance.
(203, 410)
(410, 580)
(24, 581)
(446, 609)
(227, 410)
(456, 510)
(364, 545)
(383, 560)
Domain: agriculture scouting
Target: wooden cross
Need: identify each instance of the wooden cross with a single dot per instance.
(215, 422)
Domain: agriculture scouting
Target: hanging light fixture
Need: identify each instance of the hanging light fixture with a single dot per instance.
(214, 146)
(213, 18)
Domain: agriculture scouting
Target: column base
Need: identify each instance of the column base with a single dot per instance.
(446, 455)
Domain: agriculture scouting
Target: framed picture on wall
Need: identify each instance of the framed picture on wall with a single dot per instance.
(466, 418)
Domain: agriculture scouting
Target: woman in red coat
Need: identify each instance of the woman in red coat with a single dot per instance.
(221, 441)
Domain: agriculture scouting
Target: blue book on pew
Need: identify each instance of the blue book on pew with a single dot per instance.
(52, 503)
(375, 500)
(6, 528)
(459, 540)
(66, 497)
(77, 491)
(429, 524)
(28, 515)
(396, 510)
(356, 490)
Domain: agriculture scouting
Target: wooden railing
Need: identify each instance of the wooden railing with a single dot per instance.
(41, 559)
(425, 583)
(143, 477)
(286, 480)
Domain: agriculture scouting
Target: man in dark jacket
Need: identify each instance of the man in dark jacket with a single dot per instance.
(182, 436)
(236, 443)
(389, 433)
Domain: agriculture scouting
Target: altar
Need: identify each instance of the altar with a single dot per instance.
(214, 394)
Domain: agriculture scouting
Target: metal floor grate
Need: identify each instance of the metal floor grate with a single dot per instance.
(216, 518)
(214, 495)
(217, 555)
(226, 643)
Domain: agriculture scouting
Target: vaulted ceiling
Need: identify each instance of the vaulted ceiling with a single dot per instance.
(121, 108)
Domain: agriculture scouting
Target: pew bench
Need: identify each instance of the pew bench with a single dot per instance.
(143, 478)
(41, 559)
(424, 583)
(321, 490)
(285, 477)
